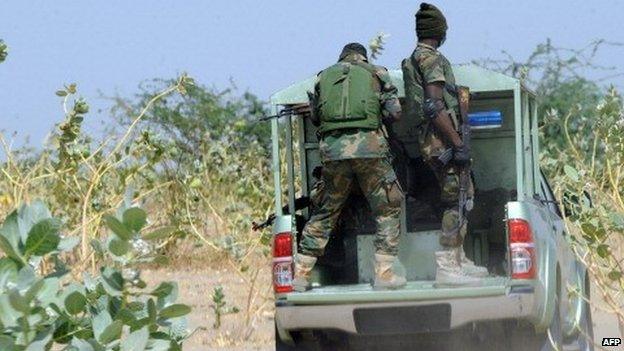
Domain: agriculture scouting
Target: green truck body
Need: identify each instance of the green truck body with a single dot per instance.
(509, 185)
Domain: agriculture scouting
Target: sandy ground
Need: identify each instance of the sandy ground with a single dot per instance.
(250, 291)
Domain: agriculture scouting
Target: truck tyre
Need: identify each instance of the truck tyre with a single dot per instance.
(585, 339)
(280, 345)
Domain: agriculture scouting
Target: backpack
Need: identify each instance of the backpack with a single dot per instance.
(412, 109)
(349, 97)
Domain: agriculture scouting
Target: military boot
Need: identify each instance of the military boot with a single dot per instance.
(469, 267)
(386, 276)
(303, 268)
(449, 272)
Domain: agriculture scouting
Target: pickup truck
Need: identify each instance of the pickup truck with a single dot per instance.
(535, 297)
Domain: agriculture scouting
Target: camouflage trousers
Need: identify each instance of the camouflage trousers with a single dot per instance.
(380, 186)
(431, 147)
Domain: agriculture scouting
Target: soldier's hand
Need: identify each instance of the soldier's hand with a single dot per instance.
(461, 155)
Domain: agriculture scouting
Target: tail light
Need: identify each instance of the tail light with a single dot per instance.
(282, 262)
(521, 249)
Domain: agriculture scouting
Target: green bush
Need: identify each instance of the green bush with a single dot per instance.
(41, 307)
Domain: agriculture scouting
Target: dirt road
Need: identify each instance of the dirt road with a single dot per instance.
(252, 327)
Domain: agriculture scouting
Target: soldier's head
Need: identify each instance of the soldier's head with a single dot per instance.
(430, 23)
(353, 48)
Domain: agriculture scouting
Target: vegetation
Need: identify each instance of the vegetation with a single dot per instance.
(39, 307)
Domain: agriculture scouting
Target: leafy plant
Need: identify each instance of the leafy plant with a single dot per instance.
(39, 308)
(377, 45)
(220, 307)
(4, 51)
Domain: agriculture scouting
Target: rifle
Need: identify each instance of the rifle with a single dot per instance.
(465, 203)
(300, 109)
(300, 204)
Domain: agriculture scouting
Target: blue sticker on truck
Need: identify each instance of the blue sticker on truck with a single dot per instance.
(485, 119)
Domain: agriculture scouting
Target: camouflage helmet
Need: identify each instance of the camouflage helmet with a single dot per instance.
(353, 48)
(430, 22)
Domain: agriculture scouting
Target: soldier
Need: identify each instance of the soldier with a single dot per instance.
(351, 100)
(431, 102)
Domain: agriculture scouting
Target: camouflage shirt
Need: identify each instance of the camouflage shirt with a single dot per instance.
(360, 143)
(433, 67)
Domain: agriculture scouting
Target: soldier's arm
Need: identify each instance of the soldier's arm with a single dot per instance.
(435, 109)
(434, 106)
(389, 98)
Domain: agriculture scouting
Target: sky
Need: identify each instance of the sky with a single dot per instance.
(109, 47)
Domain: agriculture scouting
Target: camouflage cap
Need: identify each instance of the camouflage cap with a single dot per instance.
(430, 22)
(353, 48)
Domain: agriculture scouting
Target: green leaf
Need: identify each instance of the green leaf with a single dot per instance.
(34, 289)
(10, 251)
(571, 172)
(112, 281)
(136, 341)
(75, 302)
(160, 233)
(163, 290)
(48, 292)
(8, 314)
(97, 247)
(25, 277)
(127, 317)
(161, 260)
(118, 247)
(8, 271)
(10, 229)
(134, 218)
(151, 310)
(136, 306)
(43, 237)
(18, 302)
(603, 250)
(174, 311)
(195, 183)
(29, 215)
(111, 332)
(83, 345)
(118, 228)
(100, 322)
(615, 275)
(160, 345)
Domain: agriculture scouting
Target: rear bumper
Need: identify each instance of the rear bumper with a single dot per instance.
(462, 311)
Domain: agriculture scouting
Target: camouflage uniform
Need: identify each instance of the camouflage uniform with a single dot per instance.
(434, 67)
(362, 157)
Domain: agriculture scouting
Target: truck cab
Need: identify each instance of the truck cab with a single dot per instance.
(535, 296)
